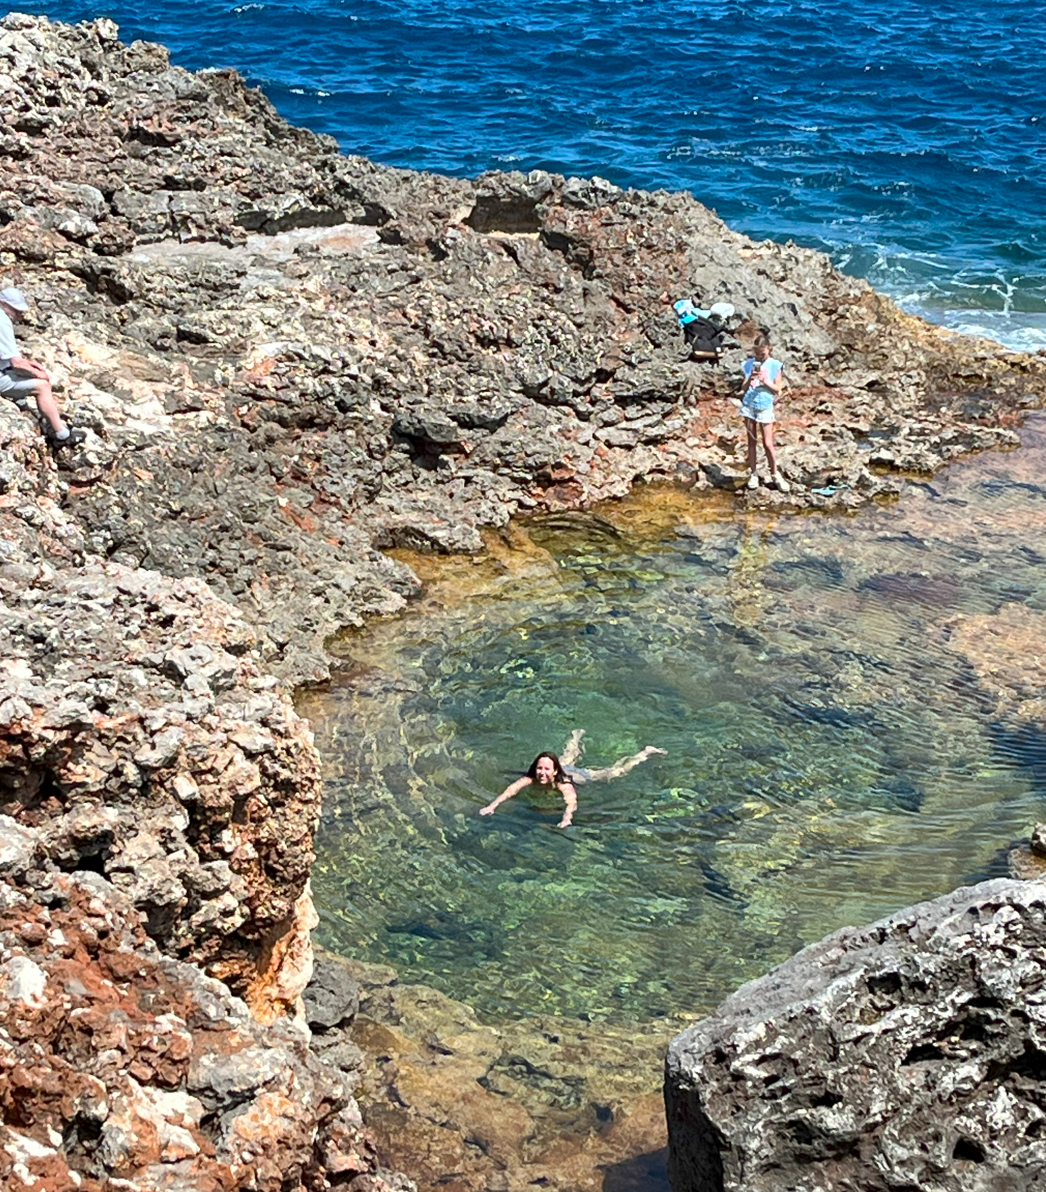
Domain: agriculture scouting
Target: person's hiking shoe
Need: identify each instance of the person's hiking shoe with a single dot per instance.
(753, 481)
(780, 483)
(73, 439)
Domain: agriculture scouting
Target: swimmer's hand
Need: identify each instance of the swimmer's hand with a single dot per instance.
(654, 749)
(566, 821)
(488, 810)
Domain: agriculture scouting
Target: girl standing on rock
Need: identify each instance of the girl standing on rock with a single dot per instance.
(549, 771)
(763, 381)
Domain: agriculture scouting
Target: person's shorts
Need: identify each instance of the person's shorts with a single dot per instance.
(17, 384)
(766, 415)
(577, 774)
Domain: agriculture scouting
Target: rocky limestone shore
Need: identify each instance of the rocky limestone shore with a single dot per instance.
(294, 359)
(291, 361)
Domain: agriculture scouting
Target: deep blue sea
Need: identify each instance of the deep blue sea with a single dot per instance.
(904, 138)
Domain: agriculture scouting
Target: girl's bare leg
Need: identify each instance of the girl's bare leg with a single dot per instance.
(573, 748)
(750, 425)
(768, 445)
(623, 766)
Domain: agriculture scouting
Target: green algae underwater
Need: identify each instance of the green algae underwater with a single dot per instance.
(833, 751)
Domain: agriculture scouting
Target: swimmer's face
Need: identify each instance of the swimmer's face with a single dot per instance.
(545, 771)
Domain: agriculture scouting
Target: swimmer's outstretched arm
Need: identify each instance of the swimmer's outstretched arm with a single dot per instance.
(512, 789)
(623, 766)
(566, 789)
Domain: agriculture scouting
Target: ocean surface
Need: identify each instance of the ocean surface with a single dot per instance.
(905, 139)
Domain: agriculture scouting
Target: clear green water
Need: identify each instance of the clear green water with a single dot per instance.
(832, 755)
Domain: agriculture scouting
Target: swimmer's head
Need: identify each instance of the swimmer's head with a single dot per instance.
(546, 770)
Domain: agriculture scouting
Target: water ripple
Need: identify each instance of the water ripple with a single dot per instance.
(836, 745)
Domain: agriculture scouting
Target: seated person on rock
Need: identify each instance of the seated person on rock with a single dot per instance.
(21, 378)
(548, 771)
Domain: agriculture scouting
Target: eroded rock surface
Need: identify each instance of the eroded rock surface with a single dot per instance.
(293, 359)
(121, 1067)
(909, 1054)
(140, 736)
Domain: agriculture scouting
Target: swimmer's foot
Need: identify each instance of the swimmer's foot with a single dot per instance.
(573, 749)
(653, 749)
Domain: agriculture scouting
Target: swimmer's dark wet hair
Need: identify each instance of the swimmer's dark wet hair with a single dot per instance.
(533, 771)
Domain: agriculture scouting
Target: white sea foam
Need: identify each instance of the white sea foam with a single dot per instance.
(985, 304)
(1023, 332)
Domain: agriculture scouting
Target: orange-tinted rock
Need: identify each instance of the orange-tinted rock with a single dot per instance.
(149, 1072)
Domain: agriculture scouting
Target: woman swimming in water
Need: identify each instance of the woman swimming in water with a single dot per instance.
(548, 770)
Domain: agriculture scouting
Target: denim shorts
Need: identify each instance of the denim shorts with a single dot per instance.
(755, 415)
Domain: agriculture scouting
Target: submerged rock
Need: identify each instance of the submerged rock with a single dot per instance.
(1026, 861)
(470, 1107)
(907, 1054)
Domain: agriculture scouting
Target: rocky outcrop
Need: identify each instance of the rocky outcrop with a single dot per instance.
(157, 802)
(909, 1054)
(294, 360)
(141, 738)
(121, 1067)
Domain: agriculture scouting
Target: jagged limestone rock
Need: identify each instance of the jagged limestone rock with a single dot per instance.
(908, 1054)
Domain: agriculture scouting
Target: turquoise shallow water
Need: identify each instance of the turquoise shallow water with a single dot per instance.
(833, 752)
(905, 139)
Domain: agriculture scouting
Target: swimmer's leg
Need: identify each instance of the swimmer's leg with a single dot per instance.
(573, 749)
(622, 767)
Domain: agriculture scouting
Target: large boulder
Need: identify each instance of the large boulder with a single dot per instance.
(906, 1055)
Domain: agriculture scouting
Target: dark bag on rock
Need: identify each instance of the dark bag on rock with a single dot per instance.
(702, 335)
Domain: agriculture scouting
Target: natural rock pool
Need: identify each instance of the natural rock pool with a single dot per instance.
(842, 740)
